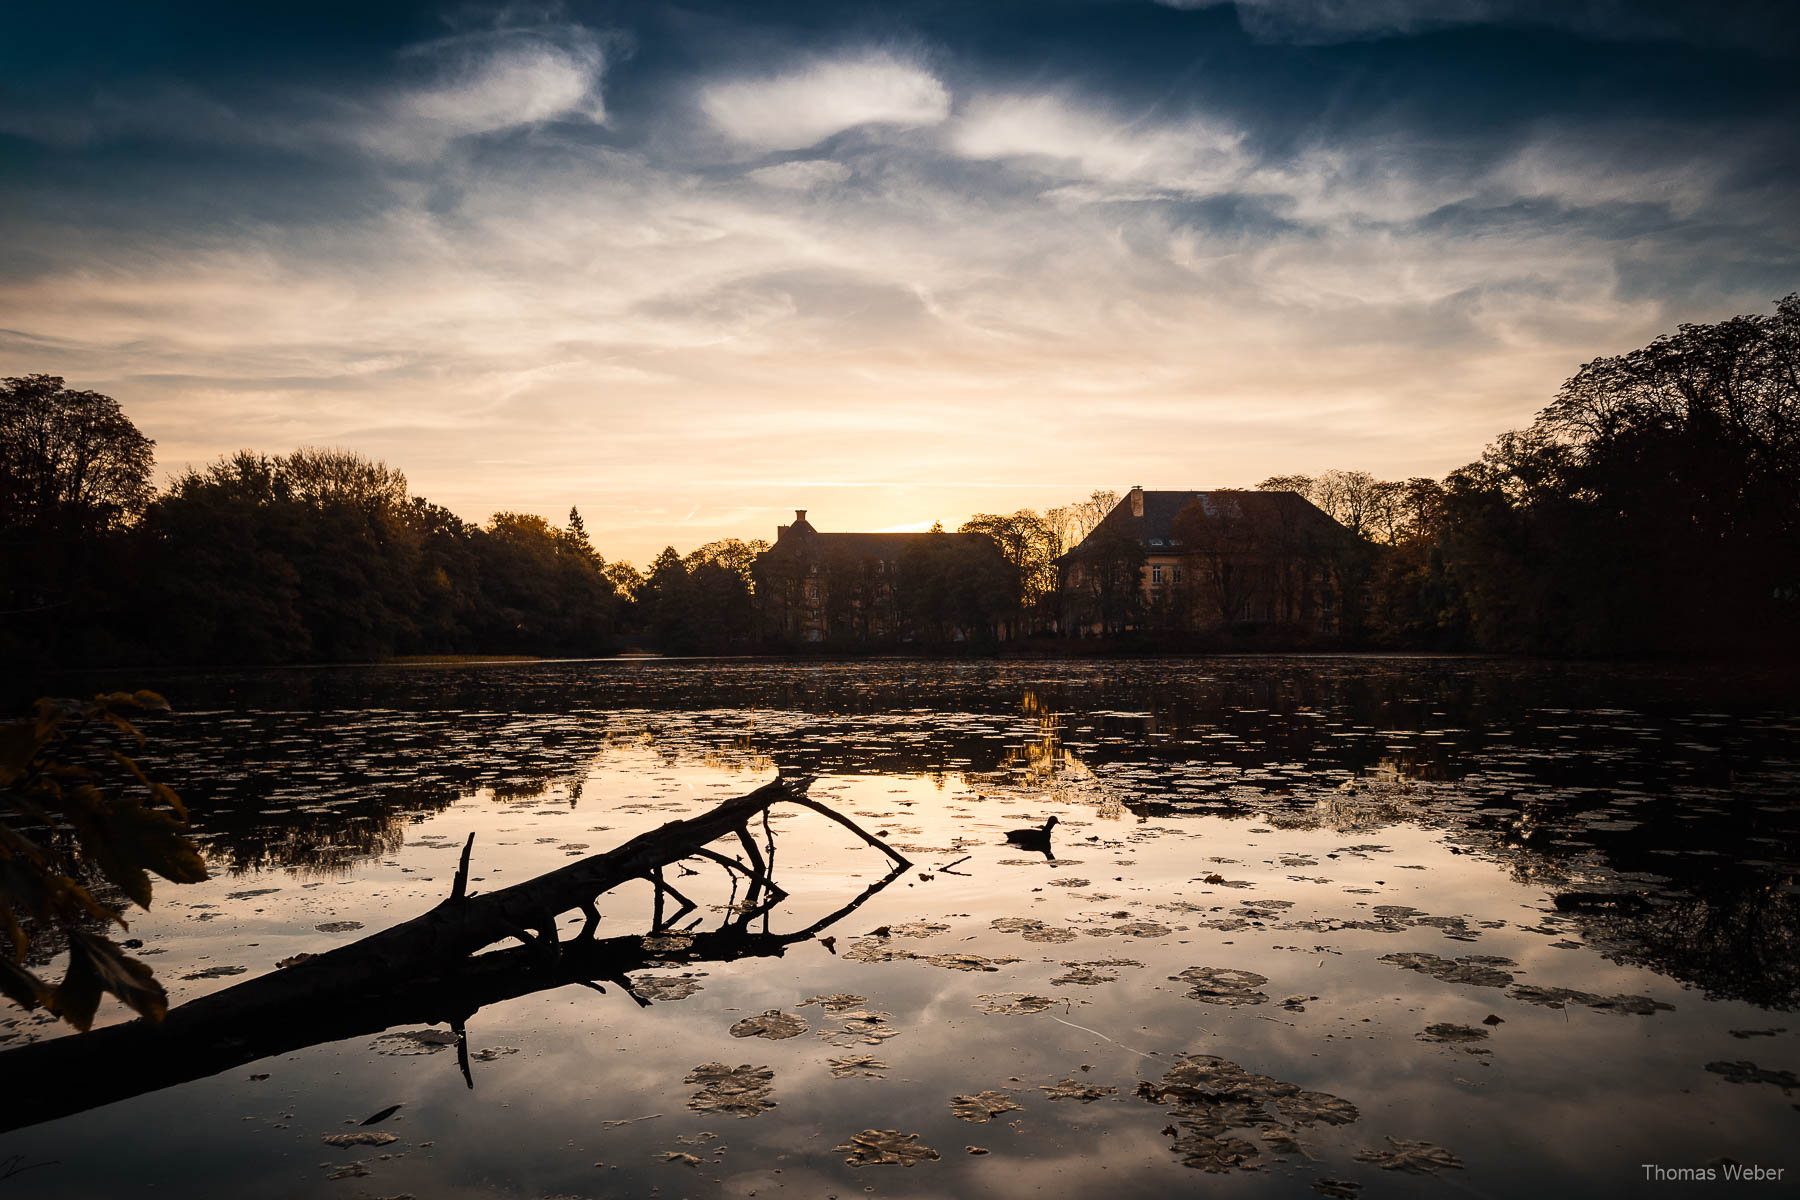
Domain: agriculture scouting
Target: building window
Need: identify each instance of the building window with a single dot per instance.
(1156, 573)
(1177, 572)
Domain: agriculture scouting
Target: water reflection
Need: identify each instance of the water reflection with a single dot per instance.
(1397, 849)
(1681, 804)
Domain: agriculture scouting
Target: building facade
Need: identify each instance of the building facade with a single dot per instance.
(1207, 560)
(883, 587)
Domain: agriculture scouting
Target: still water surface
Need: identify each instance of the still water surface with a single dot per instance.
(1367, 926)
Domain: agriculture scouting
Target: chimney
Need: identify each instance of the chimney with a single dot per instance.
(799, 515)
(1137, 500)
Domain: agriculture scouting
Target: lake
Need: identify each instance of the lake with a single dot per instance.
(1341, 926)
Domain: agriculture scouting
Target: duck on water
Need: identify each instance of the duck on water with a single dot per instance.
(1034, 838)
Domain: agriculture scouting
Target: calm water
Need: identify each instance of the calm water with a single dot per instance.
(1517, 927)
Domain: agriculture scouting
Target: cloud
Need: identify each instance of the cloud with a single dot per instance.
(460, 87)
(805, 106)
(1131, 287)
(487, 83)
(803, 175)
(1074, 141)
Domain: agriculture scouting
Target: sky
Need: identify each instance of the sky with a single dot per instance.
(691, 267)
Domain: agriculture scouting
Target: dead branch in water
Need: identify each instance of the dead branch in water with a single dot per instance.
(428, 970)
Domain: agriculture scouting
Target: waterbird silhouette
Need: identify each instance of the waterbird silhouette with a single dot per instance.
(1032, 839)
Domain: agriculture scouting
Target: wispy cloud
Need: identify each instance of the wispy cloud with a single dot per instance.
(508, 249)
(806, 104)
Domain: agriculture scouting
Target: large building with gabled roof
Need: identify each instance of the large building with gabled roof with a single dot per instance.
(873, 587)
(1197, 560)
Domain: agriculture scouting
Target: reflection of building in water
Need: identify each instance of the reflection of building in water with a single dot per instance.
(1042, 764)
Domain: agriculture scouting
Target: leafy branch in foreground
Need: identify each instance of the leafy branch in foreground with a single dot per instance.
(65, 826)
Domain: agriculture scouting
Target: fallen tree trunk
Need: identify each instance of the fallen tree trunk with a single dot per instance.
(426, 970)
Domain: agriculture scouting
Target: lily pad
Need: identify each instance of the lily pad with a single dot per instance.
(742, 1091)
(1414, 1158)
(1311, 1108)
(1068, 1089)
(665, 987)
(774, 1024)
(1477, 970)
(366, 1138)
(1012, 1003)
(886, 1147)
(965, 962)
(414, 1041)
(1451, 1034)
(836, 1002)
(982, 1106)
(857, 1066)
(1224, 985)
(1554, 997)
(1204, 1151)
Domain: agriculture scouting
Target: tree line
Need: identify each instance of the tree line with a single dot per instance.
(1653, 506)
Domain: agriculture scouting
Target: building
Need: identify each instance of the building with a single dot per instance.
(1202, 560)
(883, 587)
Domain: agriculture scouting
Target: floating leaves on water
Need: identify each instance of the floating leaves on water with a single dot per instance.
(741, 1091)
(1337, 1189)
(1451, 1034)
(294, 960)
(773, 1024)
(490, 1053)
(1216, 1155)
(350, 1170)
(1032, 930)
(338, 926)
(1197, 1077)
(966, 962)
(875, 949)
(1012, 1003)
(383, 1115)
(1040, 862)
(1311, 1108)
(1224, 985)
(1138, 929)
(1477, 970)
(886, 1147)
(857, 1066)
(1415, 1158)
(1070, 882)
(1068, 1089)
(372, 1137)
(982, 1106)
(252, 893)
(1214, 1095)
(919, 929)
(1554, 997)
(976, 1149)
(667, 943)
(665, 987)
(1082, 973)
(679, 1156)
(861, 1026)
(836, 1002)
(414, 1041)
(1749, 1072)
(1743, 1034)
(216, 972)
